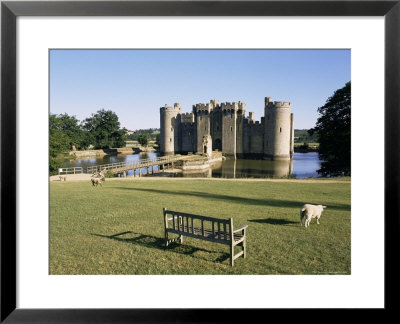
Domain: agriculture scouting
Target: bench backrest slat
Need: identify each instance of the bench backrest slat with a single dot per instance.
(224, 231)
(220, 229)
(206, 218)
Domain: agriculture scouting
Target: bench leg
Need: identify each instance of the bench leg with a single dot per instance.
(166, 239)
(244, 248)
(232, 254)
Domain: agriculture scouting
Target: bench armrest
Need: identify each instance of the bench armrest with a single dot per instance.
(241, 228)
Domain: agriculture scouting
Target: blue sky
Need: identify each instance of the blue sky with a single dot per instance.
(136, 83)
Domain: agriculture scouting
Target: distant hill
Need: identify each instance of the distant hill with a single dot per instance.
(302, 136)
(134, 135)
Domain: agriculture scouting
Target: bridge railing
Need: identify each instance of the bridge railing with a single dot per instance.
(70, 170)
(130, 165)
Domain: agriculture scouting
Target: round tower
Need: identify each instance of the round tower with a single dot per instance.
(168, 121)
(278, 133)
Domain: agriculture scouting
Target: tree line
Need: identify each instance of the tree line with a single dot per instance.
(144, 136)
(333, 130)
(101, 130)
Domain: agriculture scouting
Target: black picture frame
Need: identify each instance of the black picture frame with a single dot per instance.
(10, 10)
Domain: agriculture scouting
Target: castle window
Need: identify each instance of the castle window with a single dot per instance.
(280, 130)
(172, 129)
(170, 139)
(205, 128)
(231, 128)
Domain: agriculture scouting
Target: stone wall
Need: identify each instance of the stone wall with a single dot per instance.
(188, 138)
(253, 139)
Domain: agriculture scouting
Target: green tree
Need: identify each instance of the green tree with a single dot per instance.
(158, 140)
(71, 127)
(104, 129)
(144, 139)
(334, 133)
(59, 144)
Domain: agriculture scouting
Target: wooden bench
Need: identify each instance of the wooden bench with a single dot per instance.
(205, 228)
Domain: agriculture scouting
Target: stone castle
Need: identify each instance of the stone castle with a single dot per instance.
(224, 127)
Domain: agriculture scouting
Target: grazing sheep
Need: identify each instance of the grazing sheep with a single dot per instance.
(98, 180)
(310, 211)
(63, 178)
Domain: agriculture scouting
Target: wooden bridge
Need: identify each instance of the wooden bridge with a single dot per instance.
(121, 168)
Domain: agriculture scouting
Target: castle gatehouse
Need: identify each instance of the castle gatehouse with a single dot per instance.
(229, 130)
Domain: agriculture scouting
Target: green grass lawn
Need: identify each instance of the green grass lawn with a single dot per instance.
(118, 228)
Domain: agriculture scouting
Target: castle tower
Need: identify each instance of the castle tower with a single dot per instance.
(241, 112)
(229, 127)
(278, 133)
(170, 128)
(202, 113)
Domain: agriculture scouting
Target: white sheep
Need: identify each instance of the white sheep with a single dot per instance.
(310, 211)
(63, 178)
(98, 180)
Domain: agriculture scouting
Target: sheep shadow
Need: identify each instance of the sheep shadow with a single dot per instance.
(274, 221)
(154, 242)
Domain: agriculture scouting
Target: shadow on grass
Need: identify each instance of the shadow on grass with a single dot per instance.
(153, 242)
(240, 200)
(274, 221)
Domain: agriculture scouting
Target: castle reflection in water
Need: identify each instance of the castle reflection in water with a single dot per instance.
(303, 165)
(238, 168)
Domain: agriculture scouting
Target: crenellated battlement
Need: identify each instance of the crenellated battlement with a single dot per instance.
(242, 106)
(202, 108)
(282, 104)
(214, 102)
(187, 118)
(276, 104)
(252, 122)
(176, 109)
(251, 116)
(229, 106)
(235, 106)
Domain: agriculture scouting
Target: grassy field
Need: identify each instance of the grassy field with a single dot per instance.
(118, 228)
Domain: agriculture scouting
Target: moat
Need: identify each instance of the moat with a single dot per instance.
(303, 165)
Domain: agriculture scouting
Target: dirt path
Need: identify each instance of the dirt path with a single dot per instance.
(87, 177)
